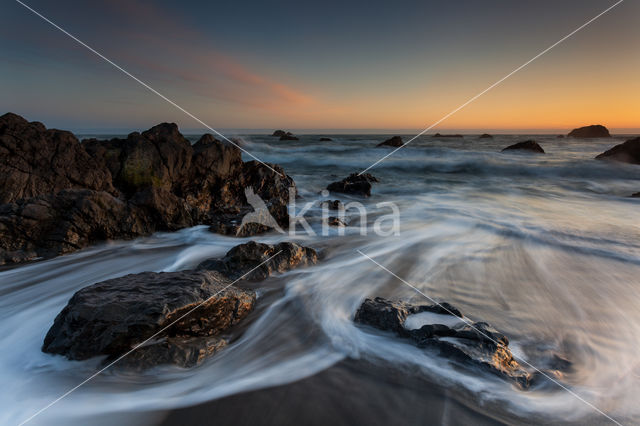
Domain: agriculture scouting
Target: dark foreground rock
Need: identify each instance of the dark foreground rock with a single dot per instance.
(593, 131)
(395, 141)
(627, 152)
(476, 344)
(112, 317)
(58, 195)
(530, 145)
(354, 184)
(242, 260)
(183, 352)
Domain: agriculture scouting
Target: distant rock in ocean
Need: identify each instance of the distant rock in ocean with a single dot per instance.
(529, 145)
(627, 152)
(560, 137)
(325, 139)
(279, 133)
(593, 131)
(395, 141)
(438, 135)
(636, 195)
(288, 137)
(486, 136)
(354, 184)
(60, 195)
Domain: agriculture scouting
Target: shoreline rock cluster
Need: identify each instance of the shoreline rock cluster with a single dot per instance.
(59, 194)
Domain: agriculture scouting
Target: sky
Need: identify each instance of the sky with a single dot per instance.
(322, 65)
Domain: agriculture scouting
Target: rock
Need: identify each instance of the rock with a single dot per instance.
(288, 137)
(593, 131)
(395, 141)
(354, 184)
(279, 133)
(35, 161)
(113, 316)
(241, 261)
(325, 139)
(636, 195)
(336, 221)
(485, 136)
(476, 344)
(333, 205)
(627, 152)
(124, 188)
(438, 135)
(529, 145)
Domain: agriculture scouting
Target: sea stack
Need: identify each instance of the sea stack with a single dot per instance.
(530, 145)
(593, 131)
(395, 141)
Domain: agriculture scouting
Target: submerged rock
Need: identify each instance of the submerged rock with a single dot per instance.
(288, 137)
(58, 195)
(325, 139)
(627, 152)
(593, 131)
(113, 316)
(395, 141)
(354, 184)
(242, 260)
(183, 352)
(476, 344)
(529, 145)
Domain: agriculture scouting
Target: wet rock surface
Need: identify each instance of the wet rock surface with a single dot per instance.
(471, 343)
(59, 195)
(242, 260)
(530, 145)
(627, 152)
(395, 141)
(593, 131)
(336, 221)
(354, 184)
(113, 316)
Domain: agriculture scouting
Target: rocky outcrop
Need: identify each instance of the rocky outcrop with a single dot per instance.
(246, 260)
(35, 161)
(395, 141)
(530, 145)
(285, 136)
(627, 152)
(472, 344)
(61, 195)
(278, 133)
(112, 317)
(356, 184)
(593, 131)
(485, 136)
(325, 139)
(439, 135)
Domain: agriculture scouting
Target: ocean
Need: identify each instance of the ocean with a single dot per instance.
(546, 248)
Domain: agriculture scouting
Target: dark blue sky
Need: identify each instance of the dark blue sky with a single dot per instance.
(324, 64)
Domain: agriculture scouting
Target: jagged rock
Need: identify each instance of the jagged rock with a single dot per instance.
(529, 145)
(325, 139)
(148, 182)
(593, 131)
(395, 141)
(439, 135)
(241, 260)
(336, 221)
(485, 136)
(35, 161)
(477, 344)
(627, 152)
(354, 184)
(114, 316)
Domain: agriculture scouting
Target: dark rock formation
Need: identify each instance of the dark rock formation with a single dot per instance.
(529, 145)
(59, 195)
(333, 205)
(593, 131)
(486, 136)
(183, 352)
(289, 137)
(242, 260)
(354, 184)
(395, 141)
(636, 195)
(36, 161)
(114, 316)
(439, 135)
(627, 152)
(279, 133)
(476, 344)
(325, 139)
(336, 221)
